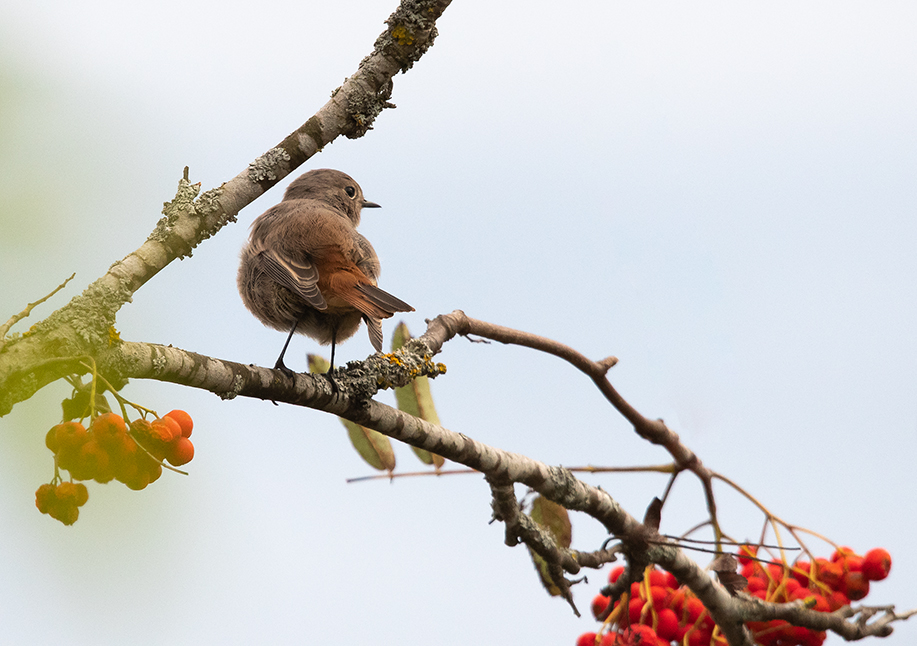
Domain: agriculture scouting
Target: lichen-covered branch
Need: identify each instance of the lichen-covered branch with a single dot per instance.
(641, 544)
(85, 326)
(360, 380)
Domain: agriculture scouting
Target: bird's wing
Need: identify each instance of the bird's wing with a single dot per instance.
(299, 276)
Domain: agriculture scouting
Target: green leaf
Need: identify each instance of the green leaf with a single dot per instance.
(77, 407)
(372, 446)
(415, 399)
(556, 521)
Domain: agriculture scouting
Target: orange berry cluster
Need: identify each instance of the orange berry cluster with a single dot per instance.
(659, 611)
(825, 585)
(63, 501)
(110, 450)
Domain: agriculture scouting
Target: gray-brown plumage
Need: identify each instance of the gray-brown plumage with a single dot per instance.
(306, 269)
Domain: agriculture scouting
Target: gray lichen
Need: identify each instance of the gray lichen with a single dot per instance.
(268, 166)
(237, 383)
(182, 203)
(412, 30)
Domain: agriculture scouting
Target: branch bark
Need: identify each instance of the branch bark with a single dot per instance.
(86, 324)
(85, 327)
(361, 380)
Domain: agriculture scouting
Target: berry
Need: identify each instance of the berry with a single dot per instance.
(91, 462)
(82, 494)
(667, 626)
(51, 440)
(45, 498)
(180, 451)
(635, 609)
(670, 581)
(640, 634)
(756, 583)
(599, 605)
(659, 597)
(138, 480)
(67, 458)
(657, 578)
(752, 569)
(790, 587)
(775, 571)
(183, 419)
(745, 551)
(70, 435)
(108, 429)
(155, 472)
(615, 574)
(821, 604)
(842, 552)
(124, 460)
(829, 573)
(852, 563)
(694, 609)
(855, 585)
(67, 514)
(165, 429)
(800, 572)
(151, 439)
(67, 493)
(586, 639)
(699, 637)
(877, 564)
(677, 602)
(837, 599)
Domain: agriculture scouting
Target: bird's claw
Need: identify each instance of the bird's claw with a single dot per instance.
(281, 366)
(335, 388)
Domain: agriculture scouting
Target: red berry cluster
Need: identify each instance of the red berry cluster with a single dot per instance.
(107, 450)
(824, 585)
(63, 501)
(660, 611)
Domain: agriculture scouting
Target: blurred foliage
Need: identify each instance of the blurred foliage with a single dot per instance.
(26, 112)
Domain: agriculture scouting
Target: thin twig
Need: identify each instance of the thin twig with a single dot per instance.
(28, 310)
(411, 474)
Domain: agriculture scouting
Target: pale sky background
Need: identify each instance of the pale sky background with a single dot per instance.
(720, 194)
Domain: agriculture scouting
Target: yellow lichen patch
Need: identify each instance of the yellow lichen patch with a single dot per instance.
(113, 336)
(402, 36)
(438, 368)
(395, 359)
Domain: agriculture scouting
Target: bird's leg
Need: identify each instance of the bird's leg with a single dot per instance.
(330, 373)
(279, 365)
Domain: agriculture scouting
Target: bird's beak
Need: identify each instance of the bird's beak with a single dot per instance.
(371, 205)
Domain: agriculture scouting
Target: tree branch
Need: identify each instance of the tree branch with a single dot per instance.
(447, 326)
(86, 324)
(640, 544)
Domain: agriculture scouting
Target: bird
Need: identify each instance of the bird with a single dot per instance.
(306, 269)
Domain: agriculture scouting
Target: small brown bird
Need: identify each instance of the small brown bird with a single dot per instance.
(305, 267)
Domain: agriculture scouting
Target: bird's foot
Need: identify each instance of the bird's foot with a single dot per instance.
(281, 366)
(286, 371)
(335, 388)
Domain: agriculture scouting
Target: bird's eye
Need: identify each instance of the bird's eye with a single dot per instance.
(351, 191)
